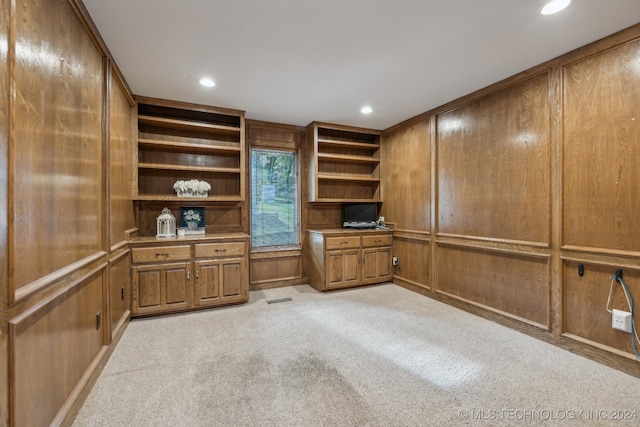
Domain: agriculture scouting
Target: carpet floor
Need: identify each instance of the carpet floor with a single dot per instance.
(372, 356)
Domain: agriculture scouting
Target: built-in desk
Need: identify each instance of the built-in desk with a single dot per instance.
(343, 258)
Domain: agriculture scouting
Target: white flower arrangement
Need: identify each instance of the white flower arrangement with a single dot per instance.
(192, 188)
(192, 218)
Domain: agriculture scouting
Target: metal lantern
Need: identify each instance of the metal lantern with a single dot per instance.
(166, 224)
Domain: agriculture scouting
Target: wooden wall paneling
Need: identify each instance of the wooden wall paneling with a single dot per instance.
(585, 301)
(493, 165)
(119, 297)
(323, 216)
(413, 252)
(407, 178)
(601, 194)
(120, 129)
(513, 284)
(276, 268)
(55, 143)
(434, 201)
(219, 217)
(53, 345)
(555, 135)
(5, 85)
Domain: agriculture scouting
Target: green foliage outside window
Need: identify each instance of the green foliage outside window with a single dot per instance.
(274, 198)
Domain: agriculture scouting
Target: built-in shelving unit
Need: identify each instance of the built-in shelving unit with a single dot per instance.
(344, 164)
(179, 141)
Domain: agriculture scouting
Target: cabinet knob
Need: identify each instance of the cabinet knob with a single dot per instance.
(377, 241)
(344, 243)
(221, 250)
(162, 254)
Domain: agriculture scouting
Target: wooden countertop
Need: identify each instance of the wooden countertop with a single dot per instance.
(188, 239)
(350, 231)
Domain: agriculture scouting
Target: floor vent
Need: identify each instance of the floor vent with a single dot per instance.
(275, 301)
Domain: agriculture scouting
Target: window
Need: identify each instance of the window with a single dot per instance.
(274, 198)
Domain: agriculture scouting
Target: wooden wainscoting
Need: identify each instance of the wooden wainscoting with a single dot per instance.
(414, 260)
(119, 292)
(274, 269)
(514, 284)
(55, 347)
(585, 300)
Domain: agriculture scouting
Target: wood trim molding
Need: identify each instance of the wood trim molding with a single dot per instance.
(600, 251)
(25, 291)
(277, 283)
(408, 284)
(599, 262)
(33, 314)
(443, 236)
(271, 254)
(513, 247)
(117, 257)
(412, 235)
(131, 233)
(495, 310)
(115, 247)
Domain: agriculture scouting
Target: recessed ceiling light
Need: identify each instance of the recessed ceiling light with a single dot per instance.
(554, 6)
(366, 110)
(207, 82)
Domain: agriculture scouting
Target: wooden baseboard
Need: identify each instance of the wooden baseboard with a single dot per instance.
(600, 355)
(272, 284)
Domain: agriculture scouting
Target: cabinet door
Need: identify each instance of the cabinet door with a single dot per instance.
(376, 265)
(207, 289)
(161, 287)
(342, 268)
(221, 281)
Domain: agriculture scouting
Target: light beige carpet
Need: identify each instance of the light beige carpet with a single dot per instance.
(372, 356)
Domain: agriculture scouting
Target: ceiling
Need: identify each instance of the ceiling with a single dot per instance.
(298, 61)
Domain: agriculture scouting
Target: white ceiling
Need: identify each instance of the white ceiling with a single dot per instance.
(296, 61)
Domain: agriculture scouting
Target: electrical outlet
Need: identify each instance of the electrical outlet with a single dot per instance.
(381, 219)
(621, 320)
(394, 260)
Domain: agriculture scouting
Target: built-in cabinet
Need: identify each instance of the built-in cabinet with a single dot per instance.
(172, 275)
(343, 258)
(344, 164)
(179, 141)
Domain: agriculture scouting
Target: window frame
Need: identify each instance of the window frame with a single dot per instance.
(298, 202)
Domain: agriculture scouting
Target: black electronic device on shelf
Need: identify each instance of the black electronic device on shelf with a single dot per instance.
(360, 216)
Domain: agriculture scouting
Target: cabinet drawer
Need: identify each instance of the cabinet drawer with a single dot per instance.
(343, 242)
(213, 250)
(373, 241)
(161, 254)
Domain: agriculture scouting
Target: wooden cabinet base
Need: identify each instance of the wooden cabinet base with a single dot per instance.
(184, 274)
(339, 258)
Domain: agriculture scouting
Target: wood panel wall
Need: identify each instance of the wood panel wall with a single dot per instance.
(271, 268)
(5, 86)
(407, 174)
(529, 177)
(65, 137)
(121, 214)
